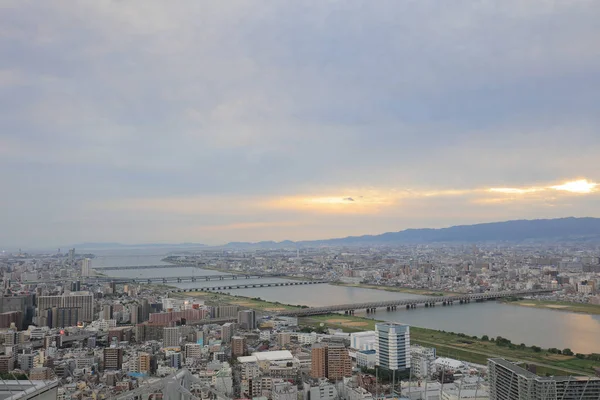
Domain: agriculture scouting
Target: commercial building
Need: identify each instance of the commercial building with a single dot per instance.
(247, 319)
(511, 382)
(238, 346)
(366, 358)
(393, 346)
(113, 358)
(330, 360)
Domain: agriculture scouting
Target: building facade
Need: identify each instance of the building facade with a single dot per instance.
(393, 346)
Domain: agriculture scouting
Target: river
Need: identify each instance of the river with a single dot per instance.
(545, 328)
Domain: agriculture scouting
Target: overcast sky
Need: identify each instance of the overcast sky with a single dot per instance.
(215, 121)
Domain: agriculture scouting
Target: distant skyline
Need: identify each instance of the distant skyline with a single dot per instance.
(212, 122)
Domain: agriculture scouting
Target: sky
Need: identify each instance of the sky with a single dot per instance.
(146, 121)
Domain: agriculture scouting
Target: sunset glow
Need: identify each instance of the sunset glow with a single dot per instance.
(578, 186)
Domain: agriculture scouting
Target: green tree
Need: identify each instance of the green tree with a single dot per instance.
(485, 338)
(567, 352)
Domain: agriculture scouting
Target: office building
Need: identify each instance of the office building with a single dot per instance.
(238, 346)
(171, 336)
(113, 358)
(393, 346)
(86, 267)
(227, 332)
(330, 360)
(247, 319)
(511, 382)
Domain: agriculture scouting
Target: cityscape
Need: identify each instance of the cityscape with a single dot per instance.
(300, 200)
(201, 323)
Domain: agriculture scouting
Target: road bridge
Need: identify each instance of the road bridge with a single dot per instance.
(410, 303)
(246, 286)
(163, 266)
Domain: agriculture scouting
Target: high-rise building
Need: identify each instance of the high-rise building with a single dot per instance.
(107, 312)
(238, 346)
(247, 319)
(86, 267)
(393, 346)
(144, 363)
(113, 358)
(227, 331)
(171, 336)
(510, 382)
(330, 360)
(134, 313)
(84, 301)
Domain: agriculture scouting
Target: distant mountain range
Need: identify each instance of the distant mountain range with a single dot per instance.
(561, 229)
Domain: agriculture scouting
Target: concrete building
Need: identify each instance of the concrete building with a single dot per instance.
(363, 340)
(171, 336)
(320, 390)
(330, 360)
(422, 361)
(144, 363)
(238, 346)
(393, 346)
(86, 267)
(284, 339)
(83, 301)
(227, 332)
(366, 358)
(511, 382)
(193, 350)
(247, 320)
(283, 390)
(113, 358)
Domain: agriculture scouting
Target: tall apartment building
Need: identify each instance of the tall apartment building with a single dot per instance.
(86, 267)
(7, 363)
(227, 331)
(107, 312)
(284, 338)
(330, 360)
(143, 363)
(247, 319)
(134, 313)
(238, 346)
(225, 311)
(511, 382)
(84, 301)
(113, 358)
(171, 336)
(393, 346)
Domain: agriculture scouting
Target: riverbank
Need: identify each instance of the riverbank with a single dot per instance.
(468, 348)
(448, 344)
(422, 292)
(558, 306)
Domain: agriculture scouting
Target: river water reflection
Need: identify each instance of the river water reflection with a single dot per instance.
(545, 328)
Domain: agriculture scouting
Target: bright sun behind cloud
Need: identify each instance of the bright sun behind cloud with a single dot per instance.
(578, 186)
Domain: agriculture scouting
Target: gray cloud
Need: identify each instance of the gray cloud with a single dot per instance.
(107, 101)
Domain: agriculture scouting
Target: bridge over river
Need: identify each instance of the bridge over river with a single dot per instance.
(246, 286)
(411, 303)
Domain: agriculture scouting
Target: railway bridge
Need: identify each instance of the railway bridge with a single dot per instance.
(410, 303)
(245, 286)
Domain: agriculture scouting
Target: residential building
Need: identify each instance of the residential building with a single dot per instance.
(238, 346)
(422, 361)
(284, 390)
(86, 267)
(113, 358)
(193, 350)
(366, 358)
(171, 336)
(284, 339)
(227, 332)
(330, 360)
(363, 340)
(393, 346)
(247, 320)
(144, 363)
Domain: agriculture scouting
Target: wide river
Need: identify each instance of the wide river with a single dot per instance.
(545, 328)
